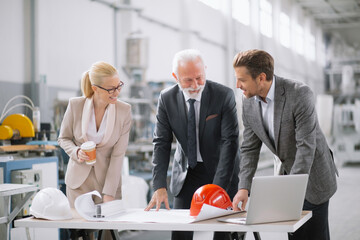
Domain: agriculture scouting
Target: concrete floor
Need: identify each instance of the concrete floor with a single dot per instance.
(344, 210)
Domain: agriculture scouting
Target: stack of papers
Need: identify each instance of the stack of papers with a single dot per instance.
(113, 211)
(108, 209)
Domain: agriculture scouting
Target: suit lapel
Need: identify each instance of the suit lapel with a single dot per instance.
(260, 126)
(110, 124)
(278, 108)
(204, 106)
(182, 117)
(86, 114)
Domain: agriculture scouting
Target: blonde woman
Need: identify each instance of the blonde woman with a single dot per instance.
(100, 117)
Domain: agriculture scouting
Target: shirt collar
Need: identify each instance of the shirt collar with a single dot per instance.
(270, 95)
(198, 98)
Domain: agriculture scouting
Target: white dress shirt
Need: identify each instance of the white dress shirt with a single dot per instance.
(267, 109)
(93, 134)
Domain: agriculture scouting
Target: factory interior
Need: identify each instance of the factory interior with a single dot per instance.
(46, 46)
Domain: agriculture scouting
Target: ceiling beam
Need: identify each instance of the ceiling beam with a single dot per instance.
(331, 26)
(336, 16)
(311, 3)
(321, 3)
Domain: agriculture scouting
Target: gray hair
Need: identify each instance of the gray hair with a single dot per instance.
(185, 56)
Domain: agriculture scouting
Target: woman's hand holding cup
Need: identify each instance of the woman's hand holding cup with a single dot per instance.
(89, 149)
(82, 157)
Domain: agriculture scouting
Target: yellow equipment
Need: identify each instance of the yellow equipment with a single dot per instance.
(16, 125)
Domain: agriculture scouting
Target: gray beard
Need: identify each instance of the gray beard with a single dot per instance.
(192, 95)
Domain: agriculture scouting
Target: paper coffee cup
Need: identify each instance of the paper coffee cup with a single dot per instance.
(89, 148)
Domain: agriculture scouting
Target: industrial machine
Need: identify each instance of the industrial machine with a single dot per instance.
(345, 88)
(31, 177)
(143, 97)
(346, 129)
(16, 126)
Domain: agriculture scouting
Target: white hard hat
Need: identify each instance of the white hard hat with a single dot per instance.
(51, 203)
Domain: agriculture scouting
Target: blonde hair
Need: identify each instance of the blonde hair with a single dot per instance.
(95, 75)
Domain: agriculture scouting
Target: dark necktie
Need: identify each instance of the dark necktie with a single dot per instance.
(191, 144)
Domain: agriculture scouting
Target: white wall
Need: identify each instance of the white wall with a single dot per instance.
(198, 27)
(164, 41)
(71, 35)
(12, 41)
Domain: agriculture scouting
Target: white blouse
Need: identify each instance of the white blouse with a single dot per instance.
(92, 133)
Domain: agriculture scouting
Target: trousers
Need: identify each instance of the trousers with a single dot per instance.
(195, 178)
(317, 228)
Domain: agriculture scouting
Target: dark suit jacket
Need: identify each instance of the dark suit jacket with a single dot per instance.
(299, 141)
(218, 137)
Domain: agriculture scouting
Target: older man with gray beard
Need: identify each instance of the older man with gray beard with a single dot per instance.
(201, 114)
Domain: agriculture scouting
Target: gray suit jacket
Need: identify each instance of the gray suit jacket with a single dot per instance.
(299, 141)
(218, 137)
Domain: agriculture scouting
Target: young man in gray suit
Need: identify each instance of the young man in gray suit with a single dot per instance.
(201, 114)
(281, 114)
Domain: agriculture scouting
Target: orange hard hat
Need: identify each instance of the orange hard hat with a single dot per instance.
(210, 194)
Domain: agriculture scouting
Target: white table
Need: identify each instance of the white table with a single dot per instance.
(6, 191)
(201, 228)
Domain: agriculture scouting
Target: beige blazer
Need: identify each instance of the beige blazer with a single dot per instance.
(109, 153)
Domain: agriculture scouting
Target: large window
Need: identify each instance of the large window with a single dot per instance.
(310, 51)
(241, 11)
(266, 18)
(212, 3)
(299, 39)
(284, 30)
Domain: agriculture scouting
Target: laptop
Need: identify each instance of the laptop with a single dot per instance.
(274, 199)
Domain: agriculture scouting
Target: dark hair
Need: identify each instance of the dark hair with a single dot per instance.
(256, 62)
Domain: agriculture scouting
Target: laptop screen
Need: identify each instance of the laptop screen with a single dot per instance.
(276, 198)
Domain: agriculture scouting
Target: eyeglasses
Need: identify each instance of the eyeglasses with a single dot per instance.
(111, 90)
